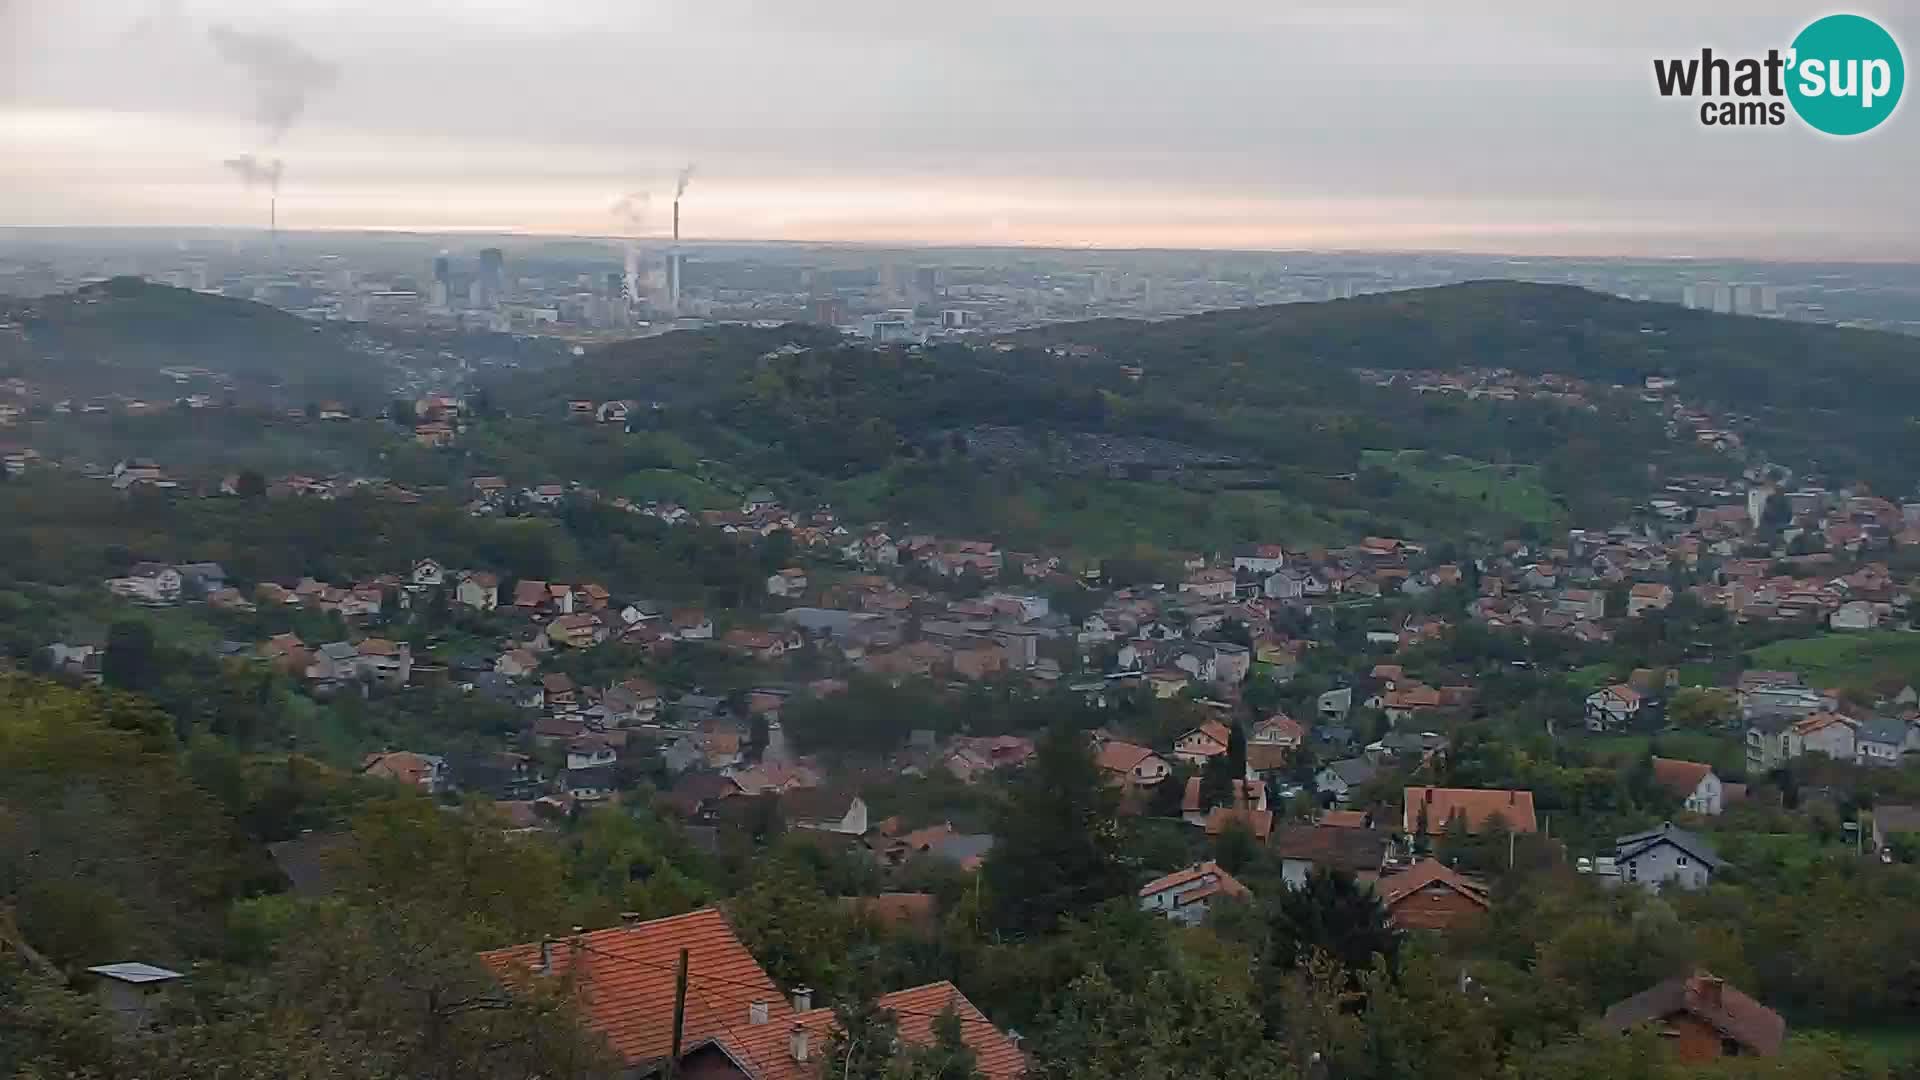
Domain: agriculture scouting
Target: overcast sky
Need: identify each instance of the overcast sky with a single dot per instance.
(1497, 125)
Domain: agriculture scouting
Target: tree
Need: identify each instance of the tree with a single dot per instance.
(1058, 844)
(1216, 783)
(1700, 708)
(862, 1045)
(401, 412)
(1173, 1024)
(1235, 849)
(1333, 914)
(128, 663)
(948, 1057)
(1776, 513)
(1237, 751)
(793, 928)
(250, 484)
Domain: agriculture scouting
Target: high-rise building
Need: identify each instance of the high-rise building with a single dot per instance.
(490, 286)
(829, 311)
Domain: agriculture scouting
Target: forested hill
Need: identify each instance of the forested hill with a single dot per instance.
(106, 336)
(1841, 397)
(1223, 427)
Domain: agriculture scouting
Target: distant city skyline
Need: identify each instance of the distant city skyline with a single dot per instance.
(1489, 127)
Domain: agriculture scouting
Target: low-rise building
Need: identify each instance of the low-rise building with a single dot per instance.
(1186, 895)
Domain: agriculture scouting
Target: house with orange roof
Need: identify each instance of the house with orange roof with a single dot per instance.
(736, 1023)
(1826, 733)
(1258, 823)
(1427, 810)
(1432, 896)
(1408, 699)
(1186, 895)
(1209, 740)
(1131, 765)
(1648, 596)
(1693, 782)
(427, 772)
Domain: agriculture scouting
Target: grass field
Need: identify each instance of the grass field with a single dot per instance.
(1720, 751)
(1875, 658)
(1512, 490)
(1890, 1044)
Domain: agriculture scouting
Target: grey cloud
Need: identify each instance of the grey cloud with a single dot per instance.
(283, 73)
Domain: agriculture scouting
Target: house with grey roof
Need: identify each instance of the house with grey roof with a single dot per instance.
(1339, 778)
(1666, 856)
(1880, 742)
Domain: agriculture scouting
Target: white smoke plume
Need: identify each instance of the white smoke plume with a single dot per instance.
(680, 183)
(631, 210)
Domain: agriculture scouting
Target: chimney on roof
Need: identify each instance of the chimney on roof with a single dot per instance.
(1512, 797)
(797, 1042)
(1429, 797)
(1015, 1038)
(630, 919)
(802, 998)
(757, 1013)
(546, 957)
(1707, 989)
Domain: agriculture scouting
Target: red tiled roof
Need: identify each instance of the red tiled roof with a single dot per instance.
(625, 976)
(1399, 886)
(1727, 1010)
(765, 1047)
(402, 765)
(1228, 883)
(1679, 777)
(1477, 805)
(1258, 822)
(1122, 757)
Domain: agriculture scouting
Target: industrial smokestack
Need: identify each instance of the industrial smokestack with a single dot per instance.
(673, 256)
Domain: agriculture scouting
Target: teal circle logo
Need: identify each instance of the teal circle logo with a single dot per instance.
(1846, 75)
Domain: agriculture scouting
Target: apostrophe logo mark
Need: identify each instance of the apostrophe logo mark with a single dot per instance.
(1846, 75)
(1841, 76)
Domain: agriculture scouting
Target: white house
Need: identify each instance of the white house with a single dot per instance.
(1854, 615)
(1260, 559)
(824, 810)
(1206, 741)
(788, 583)
(479, 591)
(1210, 585)
(1611, 708)
(148, 583)
(1693, 782)
(429, 572)
(590, 751)
(1822, 733)
(1185, 896)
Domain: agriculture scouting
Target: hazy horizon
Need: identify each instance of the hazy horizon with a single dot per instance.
(1489, 128)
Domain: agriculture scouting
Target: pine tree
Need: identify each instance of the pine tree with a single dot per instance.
(1057, 848)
